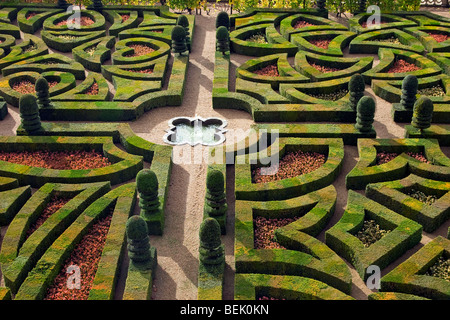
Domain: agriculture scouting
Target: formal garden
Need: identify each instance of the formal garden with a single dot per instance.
(251, 150)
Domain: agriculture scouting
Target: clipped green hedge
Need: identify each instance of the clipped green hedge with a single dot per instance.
(49, 264)
(65, 41)
(122, 50)
(33, 24)
(430, 44)
(391, 21)
(19, 254)
(99, 21)
(19, 52)
(370, 42)
(404, 234)
(339, 41)
(79, 92)
(439, 132)
(117, 24)
(124, 165)
(393, 195)
(12, 201)
(101, 54)
(366, 171)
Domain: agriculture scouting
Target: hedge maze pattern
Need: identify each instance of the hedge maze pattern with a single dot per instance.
(287, 84)
(100, 79)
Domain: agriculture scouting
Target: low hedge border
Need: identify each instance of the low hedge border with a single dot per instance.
(8, 28)
(366, 171)
(33, 24)
(159, 67)
(98, 18)
(109, 266)
(440, 113)
(302, 93)
(45, 63)
(261, 91)
(49, 265)
(66, 81)
(8, 183)
(12, 201)
(5, 294)
(152, 18)
(287, 74)
(123, 168)
(66, 41)
(430, 44)
(16, 54)
(250, 286)
(347, 66)
(339, 40)
(391, 91)
(79, 92)
(441, 59)
(139, 284)
(439, 132)
(320, 24)
(404, 234)
(149, 32)
(129, 90)
(8, 14)
(102, 53)
(347, 132)
(210, 282)
(240, 45)
(7, 42)
(393, 296)
(367, 42)
(117, 24)
(287, 188)
(122, 49)
(304, 255)
(409, 277)
(159, 156)
(392, 195)
(387, 58)
(3, 109)
(394, 21)
(20, 254)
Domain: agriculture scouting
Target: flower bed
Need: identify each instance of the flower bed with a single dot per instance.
(324, 69)
(270, 71)
(302, 23)
(257, 38)
(27, 86)
(333, 96)
(291, 165)
(93, 89)
(422, 197)
(321, 43)
(147, 70)
(84, 21)
(370, 233)
(401, 66)
(86, 256)
(434, 91)
(139, 50)
(264, 229)
(441, 269)
(60, 160)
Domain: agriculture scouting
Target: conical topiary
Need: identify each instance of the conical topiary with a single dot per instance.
(321, 4)
(97, 5)
(63, 4)
(409, 90)
(223, 20)
(179, 40)
(29, 114)
(356, 87)
(222, 40)
(42, 92)
(141, 254)
(147, 187)
(365, 112)
(422, 113)
(215, 200)
(184, 22)
(211, 251)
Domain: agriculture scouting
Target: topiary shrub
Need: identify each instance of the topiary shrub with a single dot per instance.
(409, 90)
(139, 249)
(63, 4)
(147, 187)
(422, 113)
(362, 6)
(321, 4)
(29, 114)
(365, 112)
(97, 5)
(179, 45)
(184, 22)
(42, 92)
(211, 250)
(223, 40)
(356, 87)
(223, 20)
(216, 201)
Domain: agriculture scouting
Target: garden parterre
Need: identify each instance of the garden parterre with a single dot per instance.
(120, 64)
